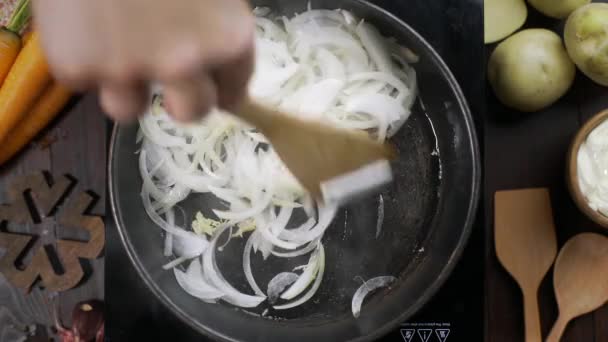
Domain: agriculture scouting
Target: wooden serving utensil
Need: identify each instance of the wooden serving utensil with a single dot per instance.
(317, 153)
(524, 235)
(580, 279)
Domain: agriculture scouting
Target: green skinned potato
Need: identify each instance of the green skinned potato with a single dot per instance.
(559, 9)
(502, 17)
(586, 38)
(530, 70)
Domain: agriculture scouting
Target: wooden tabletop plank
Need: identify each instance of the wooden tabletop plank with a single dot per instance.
(80, 152)
(76, 146)
(522, 152)
(601, 324)
(593, 99)
(529, 150)
(96, 121)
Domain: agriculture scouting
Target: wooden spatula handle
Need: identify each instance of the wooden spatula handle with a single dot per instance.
(262, 117)
(558, 329)
(532, 317)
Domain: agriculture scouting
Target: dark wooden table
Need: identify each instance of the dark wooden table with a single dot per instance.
(530, 151)
(74, 145)
(518, 152)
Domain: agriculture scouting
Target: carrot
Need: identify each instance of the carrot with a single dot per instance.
(24, 83)
(26, 36)
(10, 42)
(50, 103)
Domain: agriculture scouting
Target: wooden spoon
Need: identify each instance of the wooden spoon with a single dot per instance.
(580, 279)
(524, 235)
(317, 153)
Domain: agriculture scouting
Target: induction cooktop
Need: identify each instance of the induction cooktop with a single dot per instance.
(455, 30)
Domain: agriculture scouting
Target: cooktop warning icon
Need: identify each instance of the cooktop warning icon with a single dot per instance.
(442, 334)
(408, 334)
(425, 334)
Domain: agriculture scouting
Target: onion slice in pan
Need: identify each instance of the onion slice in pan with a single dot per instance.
(365, 289)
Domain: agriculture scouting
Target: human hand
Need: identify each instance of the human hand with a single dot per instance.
(199, 51)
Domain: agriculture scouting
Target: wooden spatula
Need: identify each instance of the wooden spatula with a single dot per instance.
(524, 235)
(334, 165)
(580, 278)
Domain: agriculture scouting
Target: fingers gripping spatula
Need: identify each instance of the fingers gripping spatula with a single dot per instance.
(336, 166)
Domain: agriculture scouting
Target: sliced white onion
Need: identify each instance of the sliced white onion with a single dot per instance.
(380, 220)
(167, 198)
(299, 268)
(151, 130)
(174, 263)
(322, 65)
(231, 295)
(313, 100)
(190, 245)
(318, 15)
(366, 288)
(389, 79)
(171, 229)
(372, 41)
(267, 233)
(245, 214)
(292, 234)
(291, 254)
(168, 249)
(139, 136)
(247, 266)
(261, 11)
(278, 284)
(330, 65)
(326, 215)
(313, 289)
(193, 283)
(305, 278)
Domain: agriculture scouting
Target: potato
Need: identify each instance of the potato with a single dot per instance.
(586, 38)
(530, 70)
(502, 17)
(557, 8)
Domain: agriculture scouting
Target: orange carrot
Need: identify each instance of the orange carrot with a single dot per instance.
(50, 103)
(24, 83)
(10, 42)
(26, 36)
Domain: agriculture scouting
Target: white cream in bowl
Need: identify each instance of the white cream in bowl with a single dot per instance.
(592, 168)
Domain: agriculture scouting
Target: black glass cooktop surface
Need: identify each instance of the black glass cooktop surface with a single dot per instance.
(455, 30)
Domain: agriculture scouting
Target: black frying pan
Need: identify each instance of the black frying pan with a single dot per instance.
(429, 211)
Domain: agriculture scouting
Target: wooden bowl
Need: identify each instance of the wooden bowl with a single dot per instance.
(572, 170)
